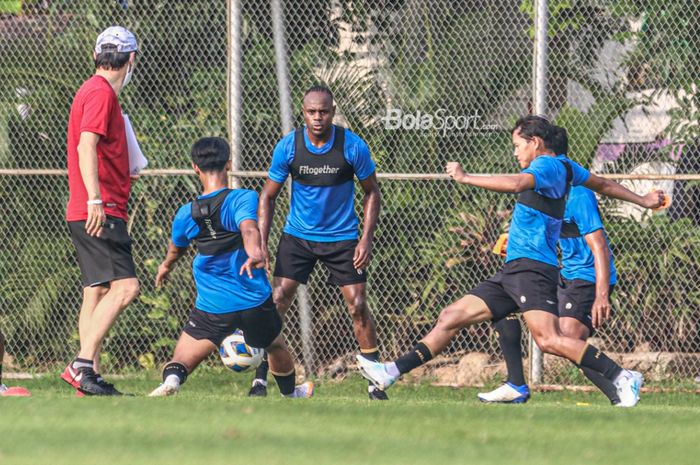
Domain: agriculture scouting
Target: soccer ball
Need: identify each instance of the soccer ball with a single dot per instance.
(239, 356)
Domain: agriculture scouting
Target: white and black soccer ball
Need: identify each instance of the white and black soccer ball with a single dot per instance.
(239, 356)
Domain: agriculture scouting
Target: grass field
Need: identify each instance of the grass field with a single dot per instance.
(213, 422)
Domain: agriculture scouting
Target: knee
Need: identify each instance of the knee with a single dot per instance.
(276, 346)
(358, 308)
(549, 343)
(281, 299)
(449, 319)
(127, 291)
(573, 330)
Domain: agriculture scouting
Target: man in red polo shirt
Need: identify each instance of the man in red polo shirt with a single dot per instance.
(99, 184)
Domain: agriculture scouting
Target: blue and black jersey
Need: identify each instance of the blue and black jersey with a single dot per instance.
(323, 191)
(212, 222)
(581, 217)
(534, 234)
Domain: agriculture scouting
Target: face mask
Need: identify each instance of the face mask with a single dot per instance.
(127, 78)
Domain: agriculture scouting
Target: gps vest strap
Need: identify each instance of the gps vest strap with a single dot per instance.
(328, 169)
(551, 207)
(212, 238)
(569, 230)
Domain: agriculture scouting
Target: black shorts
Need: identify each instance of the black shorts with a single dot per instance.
(106, 258)
(576, 297)
(521, 285)
(260, 325)
(297, 257)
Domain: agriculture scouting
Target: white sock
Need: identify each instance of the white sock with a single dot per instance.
(173, 381)
(392, 369)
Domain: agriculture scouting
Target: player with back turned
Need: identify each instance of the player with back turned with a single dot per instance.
(232, 288)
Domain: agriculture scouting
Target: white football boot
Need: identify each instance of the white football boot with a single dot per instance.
(376, 373)
(508, 393)
(164, 390)
(628, 384)
(303, 391)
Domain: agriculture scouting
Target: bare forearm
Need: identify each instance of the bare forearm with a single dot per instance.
(252, 243)
(507, 184)
(372, 204)
(266, 209)
(602, 280)
(612, 189)
(601, 263)
(87, 162)
(173, 255)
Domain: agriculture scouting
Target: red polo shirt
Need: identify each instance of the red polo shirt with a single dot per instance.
(96, 109)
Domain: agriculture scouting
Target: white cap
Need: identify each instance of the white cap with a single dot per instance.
(118, 36)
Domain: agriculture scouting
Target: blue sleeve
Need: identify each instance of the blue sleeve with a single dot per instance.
(282, 157)
(239, 205)
(580, 173)
(184, 227)
(545, 173)
(584, 211)
(357, 154)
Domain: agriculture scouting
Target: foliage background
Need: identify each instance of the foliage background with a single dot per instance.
(469, 58)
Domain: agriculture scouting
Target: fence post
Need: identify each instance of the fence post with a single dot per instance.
(287, 118)
(540, 81)
(234, 86)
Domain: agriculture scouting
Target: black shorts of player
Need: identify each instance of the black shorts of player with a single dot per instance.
(106, 258)
(260, 325)
(521, 285)
(576, 297)
(297, 257)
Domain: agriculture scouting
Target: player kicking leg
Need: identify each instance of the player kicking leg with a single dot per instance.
(543, 325)
(587, 279)
(528, 281)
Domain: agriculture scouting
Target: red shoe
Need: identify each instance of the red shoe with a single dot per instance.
(14, 391)
(79, 394)
(72, 376)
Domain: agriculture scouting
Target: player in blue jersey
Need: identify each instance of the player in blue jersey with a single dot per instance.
(528, 281)
(232, 288)
(586, 281)
(323, 160)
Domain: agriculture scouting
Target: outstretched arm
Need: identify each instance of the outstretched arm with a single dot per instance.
(171, 257)
(251, 244)
(371, 205)
(511, 184)
(615, 190)
(266, 208)
(600, 312)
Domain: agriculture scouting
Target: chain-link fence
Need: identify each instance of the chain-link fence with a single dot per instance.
(423, 82)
